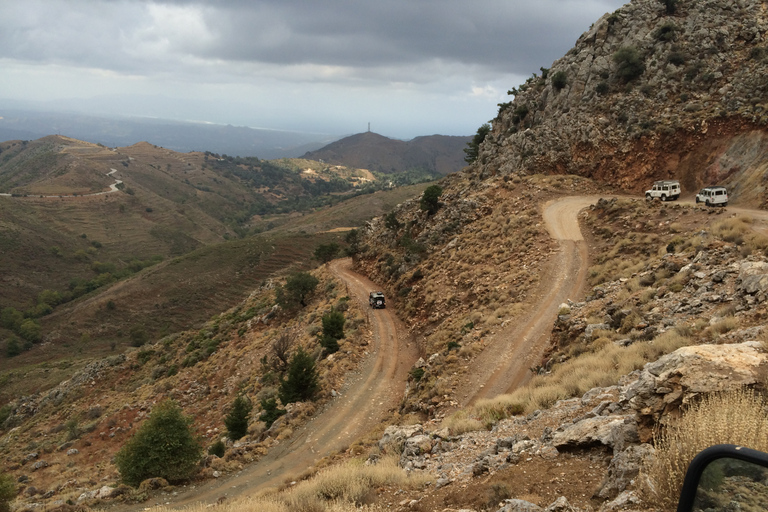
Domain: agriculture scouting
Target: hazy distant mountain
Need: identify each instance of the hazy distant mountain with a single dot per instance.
(19, 124)
(442, 154)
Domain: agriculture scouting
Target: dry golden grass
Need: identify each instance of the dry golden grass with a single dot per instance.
(342, 488)
(460, 422)
(734, 417)
(598, 367)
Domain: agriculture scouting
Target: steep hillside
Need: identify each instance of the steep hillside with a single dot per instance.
(439, 154)
(648, 92)
(67, 204)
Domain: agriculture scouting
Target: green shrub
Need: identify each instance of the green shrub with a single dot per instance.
(559, 80)
(297, 288)
(163, 447)
(416, 373)
(30, 330)
(5, 413)
(629, 63)
(676, 58)
(237, 419)
(602, 88)
(333, 324)
(270, 411)
(12, 347)
(473, 147)
(138, 336)
(430, 199)
(670, 6)
(329, 343)
(218, 449)
(666, 32)
(302, 381)
(7, 492)
(326, 252)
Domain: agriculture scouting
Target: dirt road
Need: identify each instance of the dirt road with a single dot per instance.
(378, 385)
(506, 361)
(375, 389)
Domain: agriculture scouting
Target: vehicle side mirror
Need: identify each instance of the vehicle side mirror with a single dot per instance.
(725, 477)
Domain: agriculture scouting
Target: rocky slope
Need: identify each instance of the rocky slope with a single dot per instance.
(648, 94)
(708, 296)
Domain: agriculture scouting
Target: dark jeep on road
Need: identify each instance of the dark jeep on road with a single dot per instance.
(376, 300)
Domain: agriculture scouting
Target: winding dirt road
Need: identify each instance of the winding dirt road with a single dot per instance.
(375, 389)
(505, 363)
(378, 385)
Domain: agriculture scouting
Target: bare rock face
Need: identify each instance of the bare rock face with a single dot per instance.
(624, 468)
(694, 80)
(664, 385)
(615, 432)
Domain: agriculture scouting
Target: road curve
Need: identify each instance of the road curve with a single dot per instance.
(505, 363)
(376, 388)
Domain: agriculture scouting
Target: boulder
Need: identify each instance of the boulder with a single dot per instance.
(615, 432)
(519, 506)
(396, 436)
(675, 379)
(753, 277)
(624, 467)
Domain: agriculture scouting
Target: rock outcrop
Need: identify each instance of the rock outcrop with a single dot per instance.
(647, 93)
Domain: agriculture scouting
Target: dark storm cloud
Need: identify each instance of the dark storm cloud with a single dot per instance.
(496, 36)
(502, 35)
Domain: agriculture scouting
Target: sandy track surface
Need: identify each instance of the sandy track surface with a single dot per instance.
(368, 396)
(506, 361)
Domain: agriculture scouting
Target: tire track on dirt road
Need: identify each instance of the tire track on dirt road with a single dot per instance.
(505, 363)
(368, 396)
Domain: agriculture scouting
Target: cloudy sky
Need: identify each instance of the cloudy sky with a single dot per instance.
(409, 67)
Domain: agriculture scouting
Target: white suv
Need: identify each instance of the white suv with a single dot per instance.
(666, 190)
(712, 196)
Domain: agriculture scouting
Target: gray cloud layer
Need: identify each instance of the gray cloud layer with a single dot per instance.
(450, 46)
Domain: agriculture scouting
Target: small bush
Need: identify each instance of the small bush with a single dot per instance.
(629, 63)
(677, 58)
(666, 32)
(559, 80)
(416, 373)
(7, 492)
(602, 88)
(162, 447)
(270, 411)
(670, 6)
(218, 449)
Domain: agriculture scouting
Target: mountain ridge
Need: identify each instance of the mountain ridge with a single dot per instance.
(439, 154)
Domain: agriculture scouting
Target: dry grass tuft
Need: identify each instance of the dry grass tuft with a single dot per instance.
(343, 488)
(734, 417)
(460, 423)
(600, 367)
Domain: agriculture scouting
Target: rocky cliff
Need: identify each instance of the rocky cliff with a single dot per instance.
(648, 92)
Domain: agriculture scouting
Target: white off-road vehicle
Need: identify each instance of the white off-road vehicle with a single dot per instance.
(666, 190)
(713, 196)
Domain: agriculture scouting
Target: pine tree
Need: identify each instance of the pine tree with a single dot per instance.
(302, 382)
(162, 447)
(237, 419)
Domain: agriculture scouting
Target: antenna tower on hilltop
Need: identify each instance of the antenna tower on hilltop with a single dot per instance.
(369, 127)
